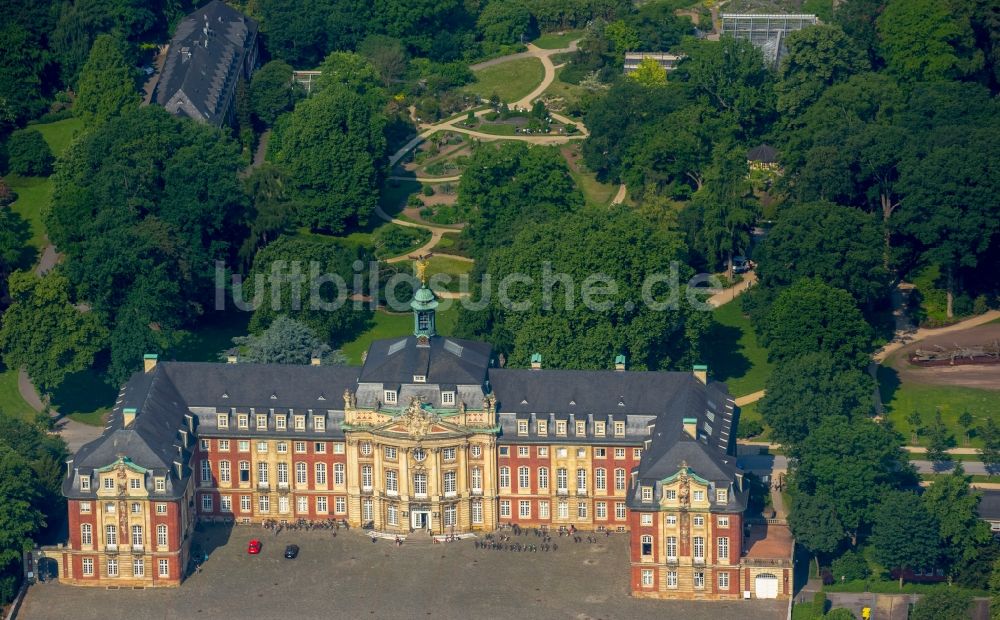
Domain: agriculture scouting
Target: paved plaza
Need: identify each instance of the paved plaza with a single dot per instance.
(348, 576)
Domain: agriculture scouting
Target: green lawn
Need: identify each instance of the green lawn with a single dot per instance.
(570, 93)
(11, 403)
(385, 325)
(594, 192)
(85, 397)
(496, 129)
(900, 399)
(33, 196)
(60, 133)
(733, 353)
(557, 40)
(509, 80)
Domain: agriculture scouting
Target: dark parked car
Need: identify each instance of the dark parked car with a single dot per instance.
(741, 264)
(291, 551)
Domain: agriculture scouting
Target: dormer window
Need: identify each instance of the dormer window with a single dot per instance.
(581, 428)
(647, 494)
(160, 485)
(222, 420)
(262, 422)
(543, 427)
(319, 423)
(280, 423)
(390, 397)
(420, 378)
(447, 398)
(243, 421)
(300, 422)
(85, 483)
(599, 429)
(560, 427)
(722, 496)
(619, 429)
(522, 427)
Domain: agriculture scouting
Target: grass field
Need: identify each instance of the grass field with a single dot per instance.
(733, 353)
(557, 40)
(901, 399)
(569, 93)
(508, 80)
(11, 403)
(33, 196)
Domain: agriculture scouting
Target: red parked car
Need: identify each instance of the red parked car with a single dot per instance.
(254, 547)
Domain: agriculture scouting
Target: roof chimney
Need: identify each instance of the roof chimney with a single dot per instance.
(701, 373)
(691, 427)
(149, 361)
(619, 362)
(536, 360)
(128, 416)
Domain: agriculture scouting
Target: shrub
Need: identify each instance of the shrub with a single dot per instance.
(749, 428)
(980, 305)
(426, 212)
(819, 604)
(427, 190)
(394, 240)
(850, 566)
(942, 603)
(414, 201)
(29, 154)
(840, 614)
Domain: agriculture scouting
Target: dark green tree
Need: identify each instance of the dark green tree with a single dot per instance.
(504, 23)
(989, 454)
(954, 505)
(905, 535)
(839, 245)
(817, 58)
(811, 316)
(107, 82)
(965, 419)
(44, 333)
(333, 149)
(942, 603)
(273, 92)
(851, 566)
(14, 234)
(916, 424)
(29, 154)
(814, 523)
(925, 40)
(805, 390)
(727, 207)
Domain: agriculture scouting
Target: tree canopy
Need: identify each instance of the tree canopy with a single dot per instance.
(285, 341)
(107, 82)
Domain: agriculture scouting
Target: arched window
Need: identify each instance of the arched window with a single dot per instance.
(619, 479)
(505, 477)
(161, 535)
(338, 473)
(301, 477)
(543, 477)
(523, 477)
(86, 534)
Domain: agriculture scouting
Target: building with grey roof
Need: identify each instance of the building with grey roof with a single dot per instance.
(212, 49)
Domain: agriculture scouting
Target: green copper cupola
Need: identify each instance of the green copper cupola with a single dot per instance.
(424, 304)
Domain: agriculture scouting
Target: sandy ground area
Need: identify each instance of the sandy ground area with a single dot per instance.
(985, 376)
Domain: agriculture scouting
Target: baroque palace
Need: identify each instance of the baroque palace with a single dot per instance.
(428, 435)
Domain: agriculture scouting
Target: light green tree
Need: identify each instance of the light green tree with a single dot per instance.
(649, 73)
(107, 82)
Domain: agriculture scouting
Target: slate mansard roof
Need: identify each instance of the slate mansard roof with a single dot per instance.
(203, 64)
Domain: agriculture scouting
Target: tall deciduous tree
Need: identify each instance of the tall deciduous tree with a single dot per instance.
(107, 82)
(942, 603)
(728, 208)
(813, 316)
(924, 40)
(818, 57)
(649, 73)
(954, 505)
(333, 148)
(44, 333)
(285, 341)
(272, 91)
(905, 535)
(808, 389)
(839, 245)
(814, 522)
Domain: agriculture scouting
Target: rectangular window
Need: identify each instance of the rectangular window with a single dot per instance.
(477, 511)
(244, 471)
(136, 508)
(619, 479)
(523, 478)
(206, 471)
(522, 451)
(646, 519)
(243, 445)
(205, 443)
(698, 496)
(223, 420)
(581, 510)
(135, 484)
(206, 503)
(262, 422)
(505, 508)
(619, 453)
(562, 508)
(599, 429)
(300, 447)
(581, 428)
(164, 568)
(161, 535)
(393, 514)
(476, 479)
(476, 451)
(723, 548)
(562, 480)
(699, 579)
(647, 494)
(505, 477)
(637, 453)
(390, 453)
(671, 519)
(447, 398)
(600, 479)
(283, 504)
(503, 451)
(723, 521)
(245, 503)
(647, 578)
(226, 503)
(601, 510)
(299, 422)
(671, 579)
(699, 521)
(243, 421)
(340, 504)
(670, 495)
(338, 448)
(264, 503)
(320, 474)
(109, 482)
(85, 483)
(225, 475)
(391, 482)
(160, 484)
(543, 451)
(338, 474)
(112, 567)
(302, 504)
(543, 427)
(366, 477)
(524, 509)
(283, 475)
(722, 496)
(262, 446)
(88, 567)
(84, 507)
(619, 429)
(522, 427)
(319, 423)
(543, 510)
(450, 515)
(448, 454)
(581, 480)
(390, 397)
(86, 534)
(138, 567)
(671, 547)
(223, 445)
(647, 545)
(600, 453)
(263, 474)
(619, 511)
(161, 509)
(698, 547)
(319, 447)
(321, 506)
(449, 483)
(282, 447)
(723, 581)
(280, 423)
(560, 427)
(367, 510)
